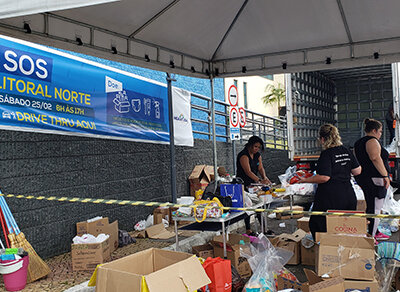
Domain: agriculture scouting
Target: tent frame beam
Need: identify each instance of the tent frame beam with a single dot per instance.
(154, 18)
(183, 63)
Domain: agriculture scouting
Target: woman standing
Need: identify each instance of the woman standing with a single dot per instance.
(248, 165)
(334, 168)
(374, 178)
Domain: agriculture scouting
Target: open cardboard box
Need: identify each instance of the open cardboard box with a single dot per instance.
(157, 231)
(314, 284)
(153, 269)
(290, 242)
(100, 226)
(85, 257)
(233, 252)
(202, 175)
(348, 256)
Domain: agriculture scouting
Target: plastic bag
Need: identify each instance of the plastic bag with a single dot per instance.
(390, 205)
(141, 225)
(357, 190)
(266, 262)
(391, 147)
(185, 201)
(301, 189)
(149, 221)
(284, 178)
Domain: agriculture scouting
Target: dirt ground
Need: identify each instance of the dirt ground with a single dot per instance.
(62, 276)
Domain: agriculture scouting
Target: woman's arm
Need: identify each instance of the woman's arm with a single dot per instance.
(264, 178)
(374, 152)
(316, 179)
(245, 163)
(356, 171)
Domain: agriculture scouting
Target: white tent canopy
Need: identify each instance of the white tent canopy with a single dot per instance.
(223, 37)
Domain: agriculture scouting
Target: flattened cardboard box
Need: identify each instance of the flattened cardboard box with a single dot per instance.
(233, 252)
(346, 225)
(290, 242)
(85, 257)
(355, 255)
(100, 226)
(160, 270)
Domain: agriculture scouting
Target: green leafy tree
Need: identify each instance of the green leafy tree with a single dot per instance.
(276, 94)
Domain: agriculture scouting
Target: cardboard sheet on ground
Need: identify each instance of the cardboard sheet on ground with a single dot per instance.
(159, 232)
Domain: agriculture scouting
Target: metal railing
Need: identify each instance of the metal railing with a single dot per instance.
(271, 130)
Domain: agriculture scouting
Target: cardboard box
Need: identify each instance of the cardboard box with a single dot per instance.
(361, 205)
(279, 216)
(346, 225)
(158, 232)
(203, 251)
(314, 284)
(397, 280)
(233, 252)
(303, 224)
(159, 268)
(369, 286)
(308, 255)
(200, 178)
(160, 213)
(290, 242)
(355, 255)
(85, 257)
(100, 226)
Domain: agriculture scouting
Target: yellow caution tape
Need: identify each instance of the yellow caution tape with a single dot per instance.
(164, 204)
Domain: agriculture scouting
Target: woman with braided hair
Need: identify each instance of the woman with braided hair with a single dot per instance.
(334, 168)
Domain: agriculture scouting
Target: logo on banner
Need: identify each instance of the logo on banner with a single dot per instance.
(113, 85)
(181, 118)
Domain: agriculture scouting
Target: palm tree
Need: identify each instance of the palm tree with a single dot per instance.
(275, 94)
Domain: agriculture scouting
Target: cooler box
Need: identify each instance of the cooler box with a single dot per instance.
(235, 191)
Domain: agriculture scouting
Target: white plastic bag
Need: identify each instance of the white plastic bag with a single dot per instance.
(357, 189)
(149, 221)
(185, 201)
(284, 178)
(141, 225)
(390, 205)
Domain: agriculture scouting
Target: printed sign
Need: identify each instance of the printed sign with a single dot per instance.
(234, 117)
(242, 117)
(233, 95)
(51, 91)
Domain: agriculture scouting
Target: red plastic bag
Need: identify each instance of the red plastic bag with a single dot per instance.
(299, 174)
(220, 273)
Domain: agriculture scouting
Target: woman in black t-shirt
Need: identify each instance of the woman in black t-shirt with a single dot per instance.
(334, 168)
(374, 160)
(248, 165)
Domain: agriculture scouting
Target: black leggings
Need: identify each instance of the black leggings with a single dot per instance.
(247, 220)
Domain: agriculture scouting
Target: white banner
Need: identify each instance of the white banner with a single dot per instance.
(182, 123)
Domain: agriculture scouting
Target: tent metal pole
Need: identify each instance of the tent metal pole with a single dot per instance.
(214, 136)
(171, 138)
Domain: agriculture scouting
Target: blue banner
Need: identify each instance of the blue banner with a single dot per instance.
(51, 91)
